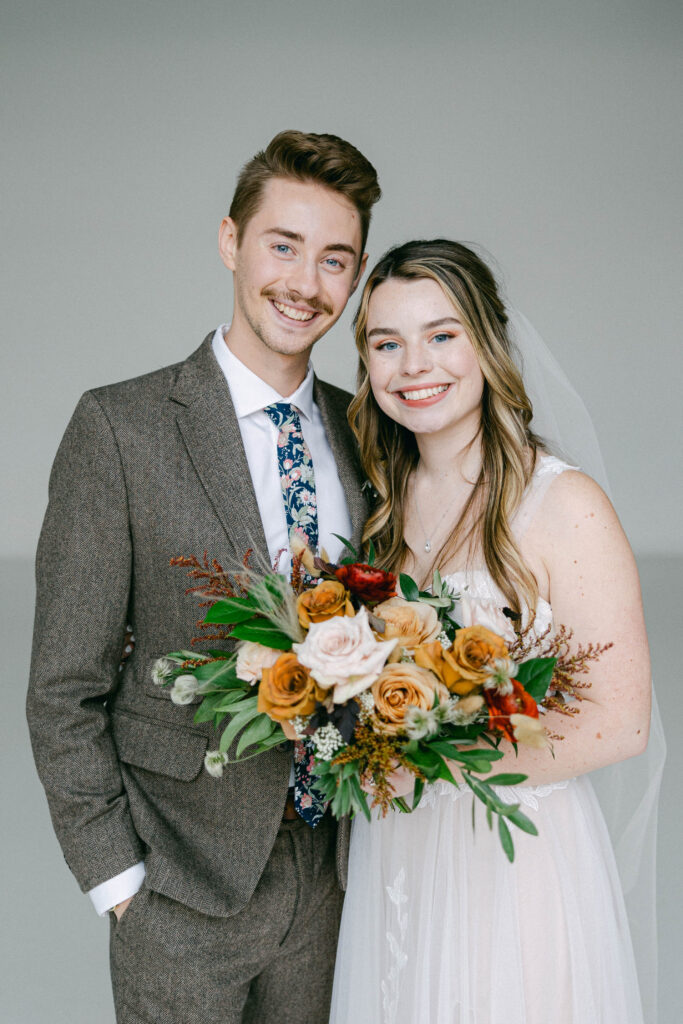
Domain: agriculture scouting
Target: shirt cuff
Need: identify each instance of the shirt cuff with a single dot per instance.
(115, 890)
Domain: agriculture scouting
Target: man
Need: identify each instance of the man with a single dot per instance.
(225, 904)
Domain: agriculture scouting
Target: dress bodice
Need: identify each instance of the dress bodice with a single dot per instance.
(476, 584)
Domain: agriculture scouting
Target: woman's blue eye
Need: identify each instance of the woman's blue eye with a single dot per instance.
(387, 346)
(442, 337)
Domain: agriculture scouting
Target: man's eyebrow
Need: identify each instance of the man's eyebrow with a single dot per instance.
(425, 327)
(294, 236)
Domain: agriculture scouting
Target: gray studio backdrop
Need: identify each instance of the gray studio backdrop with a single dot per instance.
(544, 131)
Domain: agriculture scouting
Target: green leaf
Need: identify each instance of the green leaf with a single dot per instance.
(237, 723)
(409, 587)
(535, 676)
(521, 821)
(372, 554)
(263, 633)
(231, 609)
(506, 840)
(361, 798)
(417, 792)
(259, 729)
(217, 673)
(347, 544)
(507, 779)
(214, 703)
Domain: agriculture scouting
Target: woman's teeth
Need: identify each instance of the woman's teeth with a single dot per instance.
(293, 314)
(418, 396)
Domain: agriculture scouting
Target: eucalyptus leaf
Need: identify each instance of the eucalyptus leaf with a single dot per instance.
(237, 723)
(507, 779)
(259, 729)
(506, 840)
(521, 821)
(418, 790)
(361, 798)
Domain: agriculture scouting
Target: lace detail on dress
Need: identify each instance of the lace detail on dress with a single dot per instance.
(527, 795)
(396, 943)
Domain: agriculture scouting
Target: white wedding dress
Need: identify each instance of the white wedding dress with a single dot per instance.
(439, 928)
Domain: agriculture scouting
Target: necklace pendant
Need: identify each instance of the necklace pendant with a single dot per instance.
(428, 545)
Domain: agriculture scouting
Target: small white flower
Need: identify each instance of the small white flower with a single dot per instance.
(444, 639)
(298, 724)
(499, 675)
(214, 761)
(161, 670)
(367, 706)
(327, 741)
(420, 723)
(184, 689)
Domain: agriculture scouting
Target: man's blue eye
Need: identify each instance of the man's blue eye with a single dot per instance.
(333, 261)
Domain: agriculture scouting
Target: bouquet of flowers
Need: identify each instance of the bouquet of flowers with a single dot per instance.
(369, 681)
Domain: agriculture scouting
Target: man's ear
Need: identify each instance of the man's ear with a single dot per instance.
(361, 271)
(227, 242)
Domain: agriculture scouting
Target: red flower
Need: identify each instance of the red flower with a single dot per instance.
(367, 583)
(501, 706)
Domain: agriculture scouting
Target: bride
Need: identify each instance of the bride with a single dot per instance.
(438, 927)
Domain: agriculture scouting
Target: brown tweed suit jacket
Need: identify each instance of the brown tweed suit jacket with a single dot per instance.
(148, 469)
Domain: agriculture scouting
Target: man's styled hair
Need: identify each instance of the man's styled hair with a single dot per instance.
(304, 156)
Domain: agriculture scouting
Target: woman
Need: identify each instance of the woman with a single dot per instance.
(438, 927)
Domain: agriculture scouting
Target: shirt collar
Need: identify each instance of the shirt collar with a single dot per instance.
(249, 393)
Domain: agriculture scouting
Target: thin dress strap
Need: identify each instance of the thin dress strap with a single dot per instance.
(547, 468)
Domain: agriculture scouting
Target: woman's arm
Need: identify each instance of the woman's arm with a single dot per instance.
(594, 590)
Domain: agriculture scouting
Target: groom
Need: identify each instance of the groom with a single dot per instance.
(224, 902)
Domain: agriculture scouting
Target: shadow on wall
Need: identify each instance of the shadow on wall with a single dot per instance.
(54, 947)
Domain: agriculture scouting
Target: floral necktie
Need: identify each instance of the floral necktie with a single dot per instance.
(301, 511)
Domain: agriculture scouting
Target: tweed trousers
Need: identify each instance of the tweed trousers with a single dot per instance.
(271, 963)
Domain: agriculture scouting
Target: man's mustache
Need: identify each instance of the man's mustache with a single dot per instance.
(316, 304)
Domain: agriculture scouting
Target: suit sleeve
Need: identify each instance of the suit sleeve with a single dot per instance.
(83, 578)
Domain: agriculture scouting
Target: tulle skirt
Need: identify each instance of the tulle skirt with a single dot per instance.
(439, 928)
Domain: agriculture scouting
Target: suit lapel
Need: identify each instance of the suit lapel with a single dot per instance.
(333, 404)
(209, 428)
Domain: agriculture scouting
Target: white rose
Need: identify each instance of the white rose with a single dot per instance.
(487, 614)
(344, 653)
(252, 659)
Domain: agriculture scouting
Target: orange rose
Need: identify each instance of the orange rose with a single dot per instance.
(473, 648)
(287, 689)
(410, 622)
(444, 666)
(400, 686)
(323, 602)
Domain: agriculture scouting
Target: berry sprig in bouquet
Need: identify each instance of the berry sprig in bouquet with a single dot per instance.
(369, 680)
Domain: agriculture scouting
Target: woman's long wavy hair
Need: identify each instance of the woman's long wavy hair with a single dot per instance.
(389, 452)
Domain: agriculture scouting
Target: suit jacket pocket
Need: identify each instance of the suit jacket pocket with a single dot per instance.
(157, 747)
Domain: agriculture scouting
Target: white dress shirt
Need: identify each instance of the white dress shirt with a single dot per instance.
(250, 395)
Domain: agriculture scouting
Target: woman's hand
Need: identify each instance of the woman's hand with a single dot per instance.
(400, 779)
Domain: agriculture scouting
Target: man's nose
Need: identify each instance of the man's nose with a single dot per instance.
(302, 278)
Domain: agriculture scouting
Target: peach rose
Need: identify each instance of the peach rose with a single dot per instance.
(328, 599)
(287, 689)
(398, 687)
(409, 622)
(252, 659)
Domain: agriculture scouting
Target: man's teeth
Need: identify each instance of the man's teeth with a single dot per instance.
(418, 396)
(293, 314)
